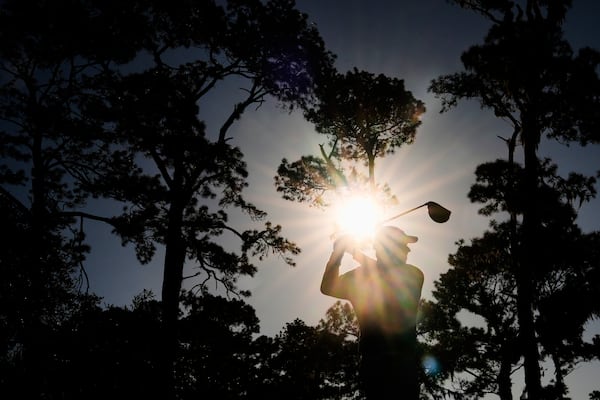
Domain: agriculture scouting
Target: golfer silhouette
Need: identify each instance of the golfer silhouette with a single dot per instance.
(385, 295)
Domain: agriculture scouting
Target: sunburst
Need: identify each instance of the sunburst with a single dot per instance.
(357, 215)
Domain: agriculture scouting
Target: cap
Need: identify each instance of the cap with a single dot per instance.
(391, 234)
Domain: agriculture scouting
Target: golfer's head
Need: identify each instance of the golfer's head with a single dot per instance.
(391, 244)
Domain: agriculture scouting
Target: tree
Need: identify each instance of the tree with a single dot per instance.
(364, 116)
(216, 351)
(528, 75)
(369, 116)
(482, 281)
(144, 144)
(107, 352)
(220, 358)
(319, 362)
(175, 179)
(339, 330)
(47, 59)
(477, 359)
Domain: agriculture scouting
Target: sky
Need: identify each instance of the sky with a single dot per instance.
(412, 40)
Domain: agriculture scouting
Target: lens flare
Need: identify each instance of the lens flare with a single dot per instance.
(357, 216)
(431, 365)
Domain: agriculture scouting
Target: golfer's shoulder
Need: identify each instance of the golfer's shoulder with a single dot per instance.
(351, 274)
(355, 275)
(415, 271)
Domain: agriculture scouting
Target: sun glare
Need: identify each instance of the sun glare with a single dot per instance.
(357, 216)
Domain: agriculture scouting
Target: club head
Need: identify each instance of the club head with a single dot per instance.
(438, 213)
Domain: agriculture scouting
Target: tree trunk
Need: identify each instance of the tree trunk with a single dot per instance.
(525, 272)
(504, 380)
(32, 298)
(175, 254)
(371, 159)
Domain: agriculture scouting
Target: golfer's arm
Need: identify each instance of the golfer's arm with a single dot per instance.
(332, 284)
(363, 259)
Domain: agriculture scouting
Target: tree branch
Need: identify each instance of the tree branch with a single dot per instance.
(81, 214)
(162, 167)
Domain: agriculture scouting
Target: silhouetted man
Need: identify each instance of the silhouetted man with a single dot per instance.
(385, 295)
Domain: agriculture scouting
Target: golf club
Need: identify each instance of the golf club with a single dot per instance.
(436, 212)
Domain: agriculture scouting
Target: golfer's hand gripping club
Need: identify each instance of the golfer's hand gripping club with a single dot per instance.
(344, 244)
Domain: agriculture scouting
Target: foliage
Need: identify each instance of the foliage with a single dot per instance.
(519, 79)
(156, 123)
(47, 60)
(108, 352)
(216, 347)
(364, 116)
(103, 101)
(480, 356)
(529, 76)
(222, 357)
(176, 180)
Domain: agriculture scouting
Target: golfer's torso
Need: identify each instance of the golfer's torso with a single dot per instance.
(386, 301)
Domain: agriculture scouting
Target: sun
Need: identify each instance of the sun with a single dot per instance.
(358, 216)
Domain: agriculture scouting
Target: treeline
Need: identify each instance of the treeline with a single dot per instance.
(110, 352)
(100, 100)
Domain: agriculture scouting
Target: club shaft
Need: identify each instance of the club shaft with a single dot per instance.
(403, 213)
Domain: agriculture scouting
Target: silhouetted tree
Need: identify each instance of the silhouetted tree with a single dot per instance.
(314, 363)
(565, 285)
(528, 75)
(364, 116)
(216, 348)
(107, 352)
(339, 330)
(482, 281)
(81, 123)
(340, 320)
(175, 179)
(101, 352)
(220, 358)
(49, 52)
(480, 358)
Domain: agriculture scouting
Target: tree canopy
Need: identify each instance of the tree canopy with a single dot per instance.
(102, 102)
(528, 75)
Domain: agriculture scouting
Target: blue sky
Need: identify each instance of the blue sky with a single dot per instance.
(412, 40)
